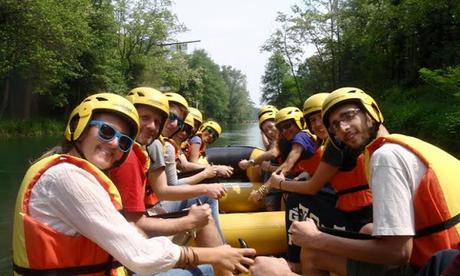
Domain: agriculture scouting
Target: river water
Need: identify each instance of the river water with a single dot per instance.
(16, 155)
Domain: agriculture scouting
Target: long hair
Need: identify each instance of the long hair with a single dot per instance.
(64, 147)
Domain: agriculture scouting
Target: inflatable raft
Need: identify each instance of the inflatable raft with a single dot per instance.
(241, 218)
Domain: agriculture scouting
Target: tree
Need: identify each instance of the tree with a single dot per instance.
(277, 83)
(41, 43)
(214, 99)
(239, 102)
(143, 26)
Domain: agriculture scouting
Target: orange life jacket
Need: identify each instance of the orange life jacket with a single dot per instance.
(353, 192)
(310, 164)
(436, 201)
(38, 248)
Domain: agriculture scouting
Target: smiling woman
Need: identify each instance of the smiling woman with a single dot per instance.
(65, 201)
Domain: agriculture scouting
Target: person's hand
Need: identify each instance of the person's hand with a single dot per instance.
(302, 176)
(215, 191)
(275, 180)
(199, 216)
(265, 165)
(270, 266)
(224, 171)
(234, 259)
(244, 164)
(210, 172)
(255, 196)
(305, 233)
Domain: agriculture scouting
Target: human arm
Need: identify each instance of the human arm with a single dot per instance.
(198, 216)
(195, 152)
(70, 200)
(270, 266)
(396, 173)
(207, 172)
(186, 166)
(392, 250)
(226, 257)
(259, 160)
(323, 174)
(158, 182)
(291, 159)
(223, 170)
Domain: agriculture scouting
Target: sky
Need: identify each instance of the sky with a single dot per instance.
(232, 32)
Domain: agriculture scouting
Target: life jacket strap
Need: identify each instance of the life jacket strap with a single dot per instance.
(438, 227)
(77, 270)
(353, 190)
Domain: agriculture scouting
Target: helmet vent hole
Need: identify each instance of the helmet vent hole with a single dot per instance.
(101, 99)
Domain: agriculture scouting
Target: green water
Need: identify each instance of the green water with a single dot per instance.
(16, 155)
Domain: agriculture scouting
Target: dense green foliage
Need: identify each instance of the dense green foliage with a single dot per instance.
(404, 53)
(54, 53)
(31, 128)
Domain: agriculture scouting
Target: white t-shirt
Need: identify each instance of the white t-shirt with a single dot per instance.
(71, 201)
(395, 176)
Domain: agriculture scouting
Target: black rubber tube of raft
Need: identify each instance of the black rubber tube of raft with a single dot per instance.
(230, 156)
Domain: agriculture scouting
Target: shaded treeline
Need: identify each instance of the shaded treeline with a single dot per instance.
(405, 53)
(53, 53)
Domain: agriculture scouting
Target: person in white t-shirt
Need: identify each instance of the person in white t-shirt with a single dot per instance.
(415, 207)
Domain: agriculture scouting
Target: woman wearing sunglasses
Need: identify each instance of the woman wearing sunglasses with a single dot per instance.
(67, 218)
(207, 134)
(181, 136)
(183, 164)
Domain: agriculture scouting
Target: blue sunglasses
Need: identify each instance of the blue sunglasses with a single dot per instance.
(173, 117)
(108, 133)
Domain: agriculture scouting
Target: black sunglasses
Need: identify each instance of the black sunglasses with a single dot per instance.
(173, 117)
(284, 125)
(107, 133)
(212, 132)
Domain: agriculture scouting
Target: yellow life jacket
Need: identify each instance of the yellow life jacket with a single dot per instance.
(38, 248)
(437, 199)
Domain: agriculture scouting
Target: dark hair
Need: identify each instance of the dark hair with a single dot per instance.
(64, 147)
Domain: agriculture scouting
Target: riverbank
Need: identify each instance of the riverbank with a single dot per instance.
(39, 127)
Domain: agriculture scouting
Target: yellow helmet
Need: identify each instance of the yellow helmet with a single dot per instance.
(196, 114)
(82, 114)
(150, 97)
(270, 115)
(178, 99)
(350, 94)
(266, 108)
(212, 124)
(289, 113)
(190, 120)
(314, 103)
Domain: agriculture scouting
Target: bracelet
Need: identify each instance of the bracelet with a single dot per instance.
(251, 162)
(188, 258)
